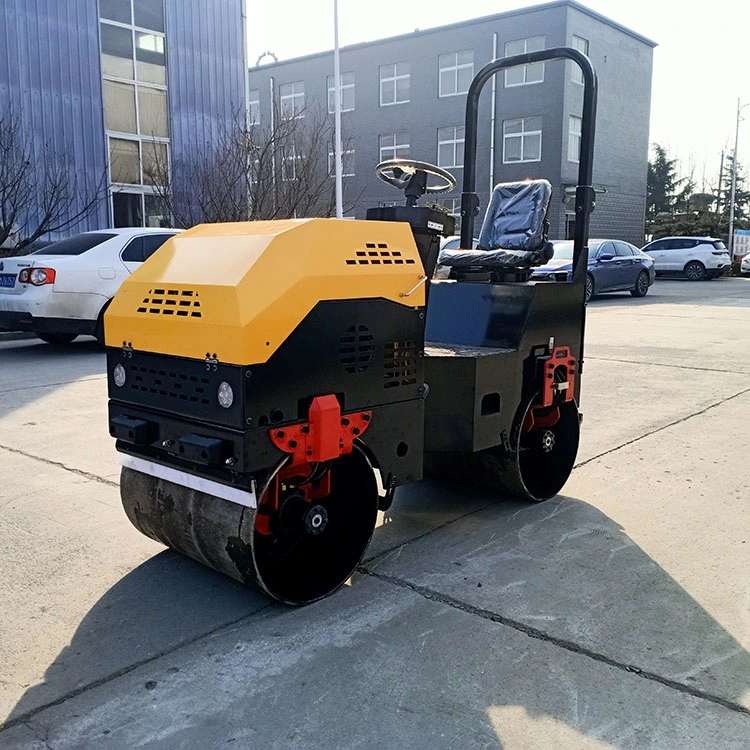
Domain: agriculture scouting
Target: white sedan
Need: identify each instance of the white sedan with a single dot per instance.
(62, 290)
(745, 265)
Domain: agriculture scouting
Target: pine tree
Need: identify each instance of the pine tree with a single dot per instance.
(662, 181)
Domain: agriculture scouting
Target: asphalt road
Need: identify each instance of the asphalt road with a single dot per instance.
(614, 615)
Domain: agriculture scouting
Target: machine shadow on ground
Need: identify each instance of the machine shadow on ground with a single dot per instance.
(561, 572)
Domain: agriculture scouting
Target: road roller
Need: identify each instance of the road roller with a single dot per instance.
(272, 383)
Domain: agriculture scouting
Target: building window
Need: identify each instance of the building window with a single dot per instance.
(150, 60)
(125, 161)
(253, 107)
(574, 138)
(456, 72)
(346, 86)
(134, 88)
(117, 51)
(116, 10)
(149, 14)
(453, 207)
(290, 164)
(524, 74)
(582, 45)
(394, 146)
(119, 106)
(127, 209)
(152, 112)
(450, 150)
(394, 83)
(347, 163)
(292, 99)
(522, 139)
(136, 162)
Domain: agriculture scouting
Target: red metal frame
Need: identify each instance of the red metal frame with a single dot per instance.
(326, 436)
(540, 416)
(560, 356)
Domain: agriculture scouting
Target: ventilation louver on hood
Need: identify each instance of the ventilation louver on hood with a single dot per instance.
(180, 303)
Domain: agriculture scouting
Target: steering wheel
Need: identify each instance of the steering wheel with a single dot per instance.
(399, 173)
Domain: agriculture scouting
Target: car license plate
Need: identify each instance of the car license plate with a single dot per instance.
(7, 280)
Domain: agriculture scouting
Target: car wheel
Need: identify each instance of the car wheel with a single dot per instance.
(695, 271)
(58, 339)
(589, 287)
(641, 285)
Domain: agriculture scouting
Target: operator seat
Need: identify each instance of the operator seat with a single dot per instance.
(514, 231)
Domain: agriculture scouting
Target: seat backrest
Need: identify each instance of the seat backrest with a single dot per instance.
(516, 216)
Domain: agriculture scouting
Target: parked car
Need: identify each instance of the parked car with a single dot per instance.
(698, 258)
(613, 266)
(62, 290)
(745, 265)
(453, 242)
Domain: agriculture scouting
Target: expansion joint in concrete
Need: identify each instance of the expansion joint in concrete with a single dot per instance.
(60, 465)
(663, 427)
(563, 643)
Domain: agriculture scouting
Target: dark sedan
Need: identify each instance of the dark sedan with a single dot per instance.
(614, 266)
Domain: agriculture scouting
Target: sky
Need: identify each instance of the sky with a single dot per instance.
(701, 63)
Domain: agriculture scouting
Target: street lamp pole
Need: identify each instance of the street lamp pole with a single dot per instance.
(337, 111)
(734, 181)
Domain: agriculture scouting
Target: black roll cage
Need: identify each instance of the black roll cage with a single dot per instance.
(584, 201)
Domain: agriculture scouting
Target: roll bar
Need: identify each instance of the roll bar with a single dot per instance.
(584, 203)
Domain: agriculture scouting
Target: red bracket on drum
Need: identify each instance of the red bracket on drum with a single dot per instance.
(327, 435)
(558, 376)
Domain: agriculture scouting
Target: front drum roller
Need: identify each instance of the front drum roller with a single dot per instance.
(302, 553)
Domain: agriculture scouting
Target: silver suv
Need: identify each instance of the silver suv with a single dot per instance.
(698, 258)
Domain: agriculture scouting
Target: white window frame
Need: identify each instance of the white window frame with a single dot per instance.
(456, 141)
(523, 135)
(253, 107)
(343, 88)
(385, 150)
(291, 158)
(582, 45)
(574, 138)
(393, 81)
(453, 66)
(347, 163)
(524, 68)
(454, 207)
(142, 185)
(293, 101)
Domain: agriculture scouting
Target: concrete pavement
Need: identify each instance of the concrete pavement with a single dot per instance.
(615, 615)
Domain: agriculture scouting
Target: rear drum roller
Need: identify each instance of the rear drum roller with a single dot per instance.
(300, 551)
(538, 459)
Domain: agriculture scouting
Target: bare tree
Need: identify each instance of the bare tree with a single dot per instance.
(249, 173)
(39, 190)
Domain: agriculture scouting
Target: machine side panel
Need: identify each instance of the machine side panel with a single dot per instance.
(558, 312)
(476, 388)
(449, 406)
(366, 352)
(468, 406)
